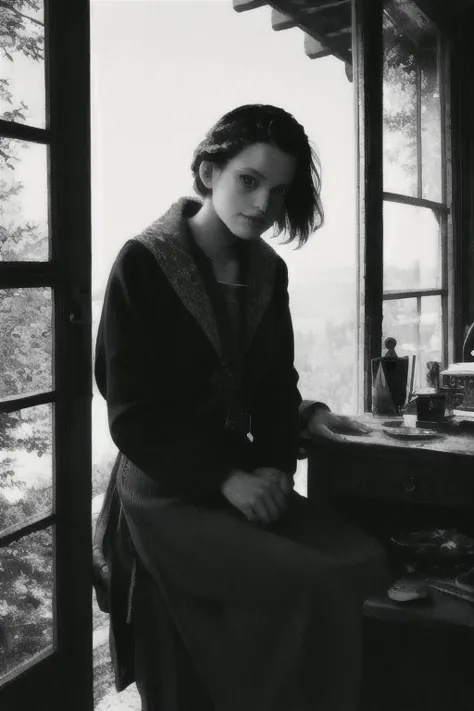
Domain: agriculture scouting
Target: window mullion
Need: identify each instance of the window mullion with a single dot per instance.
(419, 154)
(368, 65)
(437, 207)
(36, 523)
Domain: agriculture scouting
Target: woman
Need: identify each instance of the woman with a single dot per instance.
(262, 598)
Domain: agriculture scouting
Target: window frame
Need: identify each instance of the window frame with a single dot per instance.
(368, 76)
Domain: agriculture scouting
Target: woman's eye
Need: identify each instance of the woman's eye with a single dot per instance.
(280, 190)
(248, 181)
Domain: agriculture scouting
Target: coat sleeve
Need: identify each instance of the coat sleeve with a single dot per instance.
(134, 373)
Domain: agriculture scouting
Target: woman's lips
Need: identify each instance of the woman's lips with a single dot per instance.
(254, 220)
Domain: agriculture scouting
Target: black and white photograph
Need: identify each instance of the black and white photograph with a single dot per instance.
(236, 355)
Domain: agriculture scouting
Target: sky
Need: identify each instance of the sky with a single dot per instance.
(163, 72)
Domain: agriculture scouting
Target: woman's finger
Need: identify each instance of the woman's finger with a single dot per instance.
(324, 431)
(260, 510)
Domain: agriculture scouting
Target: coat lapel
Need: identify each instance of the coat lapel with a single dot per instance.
(168, 240)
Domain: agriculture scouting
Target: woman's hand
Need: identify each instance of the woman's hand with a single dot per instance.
(260, 498)
(324, 423)
(282, 478)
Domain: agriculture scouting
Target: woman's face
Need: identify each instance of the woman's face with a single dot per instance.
(248, 193)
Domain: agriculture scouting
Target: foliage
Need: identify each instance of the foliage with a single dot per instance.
(406, 63)
(22, 32)
(26, 587)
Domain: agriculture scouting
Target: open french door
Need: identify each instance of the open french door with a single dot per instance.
(45, 356)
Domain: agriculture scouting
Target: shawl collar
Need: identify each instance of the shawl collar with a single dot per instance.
(170, 242)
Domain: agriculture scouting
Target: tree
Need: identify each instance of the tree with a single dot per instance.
(403, 59)
(26, 586)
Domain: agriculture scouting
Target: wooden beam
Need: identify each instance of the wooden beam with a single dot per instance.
(311, 10)
(282, 21)
(244, 5)
(314, 49)
(339, 33)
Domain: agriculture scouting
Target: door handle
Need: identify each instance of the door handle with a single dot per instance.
(409, 485)
(75, 320)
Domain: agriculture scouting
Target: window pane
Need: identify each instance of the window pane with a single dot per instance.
(24, 226)
(26, 465)
(416, 326)
(412, 248)
(430, 120)
(411, 102)
(26, 342)
(399, 111)
(26, 599)
(22, 75)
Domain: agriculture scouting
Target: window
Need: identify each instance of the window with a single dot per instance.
(406, 276)
(415, 204)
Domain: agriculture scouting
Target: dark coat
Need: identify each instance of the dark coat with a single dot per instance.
(159, 365)
(162, 366)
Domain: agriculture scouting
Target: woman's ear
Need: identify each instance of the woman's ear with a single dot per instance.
(206, 173)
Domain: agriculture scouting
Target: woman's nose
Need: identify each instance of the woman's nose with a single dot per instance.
(261, 201)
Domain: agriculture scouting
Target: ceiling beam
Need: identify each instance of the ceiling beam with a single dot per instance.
(282, 21)
(244, 5)
(313, 48)
(316, 44)
(339, 33)
(324, 5)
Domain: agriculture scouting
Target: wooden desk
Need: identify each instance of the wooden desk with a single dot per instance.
(429, 479)
(417, 659)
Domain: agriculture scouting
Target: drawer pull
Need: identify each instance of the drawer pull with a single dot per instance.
(409, 485)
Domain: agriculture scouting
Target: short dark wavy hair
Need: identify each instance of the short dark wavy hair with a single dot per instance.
(259, 123)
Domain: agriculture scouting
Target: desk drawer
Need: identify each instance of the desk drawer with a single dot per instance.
(372, 478)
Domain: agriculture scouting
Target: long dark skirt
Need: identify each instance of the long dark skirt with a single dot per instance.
(268, 618)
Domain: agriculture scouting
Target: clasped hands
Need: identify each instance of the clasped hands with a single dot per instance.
(262, 496)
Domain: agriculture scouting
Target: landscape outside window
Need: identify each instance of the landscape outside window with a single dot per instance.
(26, 338)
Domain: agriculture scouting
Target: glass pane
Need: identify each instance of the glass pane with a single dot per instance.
(26, 599)
(22, 75)
(26, 464)
(411, 102)
(26, 342)
(24, 204)
(412, 248)
(416, 326)
(399, 111)
(431, 144)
